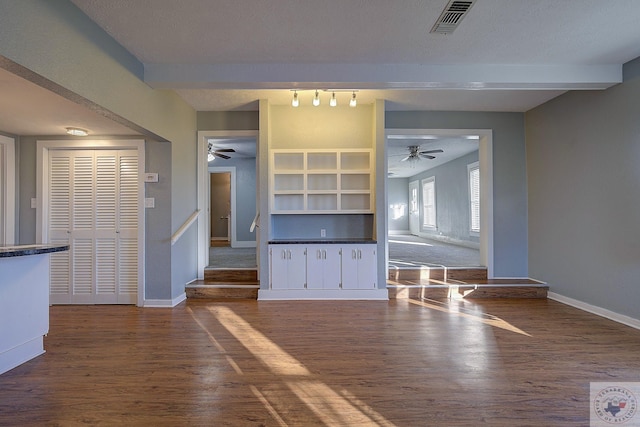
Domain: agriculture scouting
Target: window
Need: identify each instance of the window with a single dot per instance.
(429, 202)
(414, 200)
(474, 196)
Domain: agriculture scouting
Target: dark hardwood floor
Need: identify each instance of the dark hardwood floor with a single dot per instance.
(314, 363)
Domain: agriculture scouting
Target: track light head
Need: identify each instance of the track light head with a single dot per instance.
(295, 102)
(353, 102)
(316, 99)
(333, 101)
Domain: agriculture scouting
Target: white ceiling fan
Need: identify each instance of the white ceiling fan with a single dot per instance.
(415, 154)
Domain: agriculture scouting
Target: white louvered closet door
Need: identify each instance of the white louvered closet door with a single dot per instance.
(93, 207)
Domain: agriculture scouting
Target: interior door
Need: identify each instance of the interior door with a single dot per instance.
(414, 208)
(93, 207)
(220, 187)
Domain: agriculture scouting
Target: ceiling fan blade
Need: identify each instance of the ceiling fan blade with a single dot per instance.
(222, 156)
(225, 150)
(426, 156)
(431, 151)
(405, 159)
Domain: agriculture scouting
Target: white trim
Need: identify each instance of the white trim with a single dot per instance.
(599, 311)
(485, 157)
(202, 167)
(9, 192)
(399, 232)
(42, 188)
(164, 303)
(232, 201)
(323, 294)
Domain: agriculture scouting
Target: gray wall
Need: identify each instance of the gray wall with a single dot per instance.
(53, 56)
(398, 194)
(245, 209)
(227, 120)
(509, 176)
(452, 199)
(583, 156)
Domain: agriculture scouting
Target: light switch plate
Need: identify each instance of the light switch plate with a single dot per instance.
(34, 203)
(149, 202)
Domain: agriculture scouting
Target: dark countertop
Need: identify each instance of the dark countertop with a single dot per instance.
(322, 241)
(23, 250)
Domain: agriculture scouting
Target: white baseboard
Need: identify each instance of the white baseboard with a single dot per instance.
(164, 303)
(323, 294)
(603, 312)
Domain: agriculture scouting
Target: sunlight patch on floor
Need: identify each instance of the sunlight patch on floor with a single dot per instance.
(331, 408)
(487, 319)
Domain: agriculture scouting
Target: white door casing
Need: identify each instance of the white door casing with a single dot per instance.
(92, 196)
(7, 190)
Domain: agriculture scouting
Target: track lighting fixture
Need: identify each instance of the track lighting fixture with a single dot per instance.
(353, 101)
(333, 101)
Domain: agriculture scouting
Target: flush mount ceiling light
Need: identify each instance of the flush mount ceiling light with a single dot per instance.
(295, 102)
(333, 101)
(353, 101)
(77, 132)
(316, 99)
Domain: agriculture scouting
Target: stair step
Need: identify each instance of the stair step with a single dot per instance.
(231, 274)
(220, 290)
(438, 273)
(493, 290)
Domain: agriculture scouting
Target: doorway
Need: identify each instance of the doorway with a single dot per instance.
(437, 148)
(220, 208)
(234, 152)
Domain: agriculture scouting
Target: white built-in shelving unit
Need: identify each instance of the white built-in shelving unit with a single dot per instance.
(321, 181)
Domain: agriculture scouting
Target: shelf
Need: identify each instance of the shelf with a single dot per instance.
(288, 161)
(359, 181)
(282, 182)
(359, 202)
(322, 182)
(322, 161)
(355, 160)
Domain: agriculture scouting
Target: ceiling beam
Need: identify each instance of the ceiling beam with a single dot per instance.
(382, 76)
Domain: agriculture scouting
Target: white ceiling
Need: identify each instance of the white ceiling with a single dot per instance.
(226, 54)
(219, 55)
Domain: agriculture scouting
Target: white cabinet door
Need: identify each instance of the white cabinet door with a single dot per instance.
(323, 267)
(288, 267)
(359, 266)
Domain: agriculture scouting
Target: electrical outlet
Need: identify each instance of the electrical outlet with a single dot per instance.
(323, 232)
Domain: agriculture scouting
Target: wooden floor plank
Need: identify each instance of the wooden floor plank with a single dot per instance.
(327, 363)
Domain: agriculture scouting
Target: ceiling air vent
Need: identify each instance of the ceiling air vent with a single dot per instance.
(451, 16)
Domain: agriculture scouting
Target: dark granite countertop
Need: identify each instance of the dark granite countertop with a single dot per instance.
(24, 250)
(325, 240)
